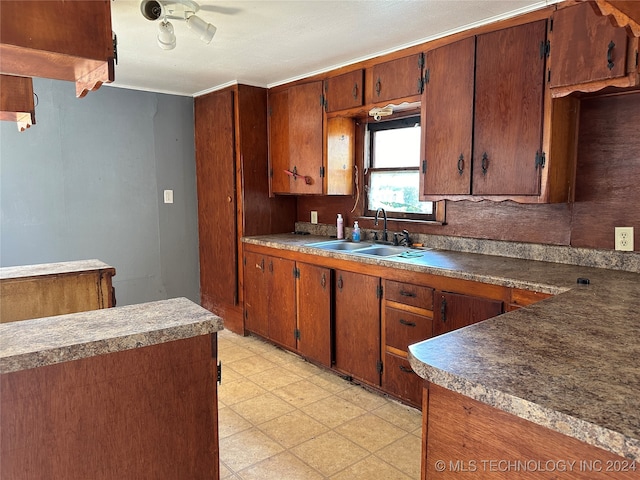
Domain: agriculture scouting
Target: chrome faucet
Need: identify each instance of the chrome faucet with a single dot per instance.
(384, 228)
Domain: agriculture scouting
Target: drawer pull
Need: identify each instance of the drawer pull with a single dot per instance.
(405, 369)
(405, 293)
(408, 324)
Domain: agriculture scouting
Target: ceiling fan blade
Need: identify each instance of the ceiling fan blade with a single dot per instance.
(221, 10)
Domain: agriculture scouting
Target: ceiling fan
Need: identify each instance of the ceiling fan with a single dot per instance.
(176, 10)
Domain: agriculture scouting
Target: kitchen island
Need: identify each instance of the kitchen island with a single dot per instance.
(125, 392)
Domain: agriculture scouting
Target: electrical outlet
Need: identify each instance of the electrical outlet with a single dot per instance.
(624, 239)
(314, 217)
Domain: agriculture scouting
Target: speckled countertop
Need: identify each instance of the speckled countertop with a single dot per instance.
(45, 341)
(24, 271)
(570, 363)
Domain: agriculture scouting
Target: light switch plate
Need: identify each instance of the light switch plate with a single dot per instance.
(168, 196)
(314, 217)
(624, 239)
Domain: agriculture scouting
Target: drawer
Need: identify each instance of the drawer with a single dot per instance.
(404, 328)
(414, 295)
(399, 380)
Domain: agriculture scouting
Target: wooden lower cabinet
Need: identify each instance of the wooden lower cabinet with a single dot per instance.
(407, 318)
(36, 291)
(464, 438)
(313, 294)
(149, 412)
(357, 326)
(453, 311)
(270, 300)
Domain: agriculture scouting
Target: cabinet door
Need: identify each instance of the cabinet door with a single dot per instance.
(453, 311)
(341, 139)
(357, 326)
(216, 181)
(343, 91)
(447, 119)
(314, 312)
(282, 300)
(586, 47)
(508, 111)
(256, 294)
(305, 138)
(397, 79)
(278, 142)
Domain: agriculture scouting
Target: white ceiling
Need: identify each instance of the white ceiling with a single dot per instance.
(270, 42)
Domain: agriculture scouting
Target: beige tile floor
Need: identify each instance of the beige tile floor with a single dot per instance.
(282, 418)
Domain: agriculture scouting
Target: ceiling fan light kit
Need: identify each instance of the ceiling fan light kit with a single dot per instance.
(176, 10)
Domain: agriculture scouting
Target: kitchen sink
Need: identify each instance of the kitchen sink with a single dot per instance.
(340, 245)
(381, 250)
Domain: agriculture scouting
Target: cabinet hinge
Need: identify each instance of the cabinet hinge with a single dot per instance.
(379, 366)
(545, 48)
(321, 172)
(296, 272)
(551, 24)
(549, 76)
(421, 60)
(115, 47)
(421, 85)
(220, 372)
(296, 333)
(323, 101)
(540, 159)
(379, 291)
(427, 76)
(424, 166)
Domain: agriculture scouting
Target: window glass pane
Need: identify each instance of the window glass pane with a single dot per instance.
(396, 192)
(396, 148)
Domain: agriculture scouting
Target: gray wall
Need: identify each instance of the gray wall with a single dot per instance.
(87, 181)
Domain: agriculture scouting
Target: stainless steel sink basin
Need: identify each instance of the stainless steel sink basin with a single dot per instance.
(339, 245)
(381, 250)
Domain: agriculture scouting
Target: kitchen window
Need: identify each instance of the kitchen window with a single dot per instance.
(393, 173)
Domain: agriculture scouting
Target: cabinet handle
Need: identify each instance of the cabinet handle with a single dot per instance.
(405, 369)
(271, 266)
(408, 324)
(485, 163)
(443, 310)
(460, 164)
(405, 293)
(378, 86)
(340, 282)
(355, 91)
(323, 281)
(610, 62)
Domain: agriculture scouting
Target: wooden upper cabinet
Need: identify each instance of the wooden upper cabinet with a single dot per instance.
(304, 157)
(296, 139)
(58, 39)
(396, 79)
(341, 139)
(508, 111)
(344, 91)
(278, 141)
(588, 53)
(483, 119)
(447, 126)
(16, 101)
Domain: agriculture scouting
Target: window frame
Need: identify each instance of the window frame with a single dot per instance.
(372, 127)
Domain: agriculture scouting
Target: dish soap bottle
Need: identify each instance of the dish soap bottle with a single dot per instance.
(355, 236)
(340, 227)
